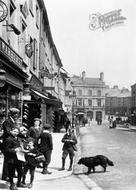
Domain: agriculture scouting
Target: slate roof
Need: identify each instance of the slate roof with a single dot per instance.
(87, 81)
(118, 93)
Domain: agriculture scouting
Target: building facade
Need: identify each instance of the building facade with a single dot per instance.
(30, 63)
(89, 96)
(117, 101)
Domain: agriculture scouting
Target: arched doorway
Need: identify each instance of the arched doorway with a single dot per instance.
(98, 115)
(90, 115)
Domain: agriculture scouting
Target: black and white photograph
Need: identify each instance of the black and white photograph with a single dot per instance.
(68, 94)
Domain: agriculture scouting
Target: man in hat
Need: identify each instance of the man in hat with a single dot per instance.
(7, 126)
(46, 146)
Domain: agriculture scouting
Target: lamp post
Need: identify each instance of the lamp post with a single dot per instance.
(73, 104)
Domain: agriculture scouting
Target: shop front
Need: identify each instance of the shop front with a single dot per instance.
(12, 79)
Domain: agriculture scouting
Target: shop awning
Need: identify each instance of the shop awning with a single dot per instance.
(40, 95)
(47, 100)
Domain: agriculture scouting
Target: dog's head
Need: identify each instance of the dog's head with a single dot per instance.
(81, 161)
(111, 163)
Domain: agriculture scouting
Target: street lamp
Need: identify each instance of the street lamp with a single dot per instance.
(73, 103)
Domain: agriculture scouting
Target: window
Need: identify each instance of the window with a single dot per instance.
(99, 92)
(90, 92)
(24, 9)
(12, 8)
(22, 38)
(31, 7)
(99, 102)
(79, 102)
(80, 92)
(23, 26)
(35, 54)
(37, 16)
(32, 57)
(89, 102)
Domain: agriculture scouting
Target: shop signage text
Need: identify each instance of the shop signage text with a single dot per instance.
(10, 53)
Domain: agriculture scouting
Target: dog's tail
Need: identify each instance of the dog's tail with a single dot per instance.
(110, 163)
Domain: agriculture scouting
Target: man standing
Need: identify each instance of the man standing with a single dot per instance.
(46, 146)
(7, 126)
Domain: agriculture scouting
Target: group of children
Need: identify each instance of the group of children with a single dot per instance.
(20, 157)
(24, 149)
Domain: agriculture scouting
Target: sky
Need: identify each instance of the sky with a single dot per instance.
(112, 52)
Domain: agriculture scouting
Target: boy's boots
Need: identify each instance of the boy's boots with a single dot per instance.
(71, 162)
(45, 171)
(63, 165)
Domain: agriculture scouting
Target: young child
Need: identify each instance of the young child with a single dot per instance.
(31, 162)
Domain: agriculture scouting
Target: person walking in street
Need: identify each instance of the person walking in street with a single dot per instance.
(67, 123)
(69, 146)
(45, 144)
(13, 148)
(7, 126)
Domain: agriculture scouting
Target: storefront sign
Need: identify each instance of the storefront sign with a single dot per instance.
(3, 11)
(10, 53)
(36, 84)
(106, 21)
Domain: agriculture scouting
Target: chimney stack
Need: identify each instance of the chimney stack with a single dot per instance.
(102, 76)
(83, 75)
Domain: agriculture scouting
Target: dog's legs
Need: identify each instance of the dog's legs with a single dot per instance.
(93, 169)
(104, 167)
(89, 170)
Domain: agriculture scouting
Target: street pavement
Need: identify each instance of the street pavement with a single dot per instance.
(63, 180)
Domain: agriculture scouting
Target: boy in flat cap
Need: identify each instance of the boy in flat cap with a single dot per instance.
(46, 146)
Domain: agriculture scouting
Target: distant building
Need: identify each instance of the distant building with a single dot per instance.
(117, 101)
(133, 97)
(90, 95)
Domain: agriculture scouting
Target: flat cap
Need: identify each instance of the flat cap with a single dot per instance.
(47, 126)
(37, 119)
(13, 110)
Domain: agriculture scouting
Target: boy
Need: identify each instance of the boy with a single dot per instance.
(13, 145)
(31, 162)
(69, 140)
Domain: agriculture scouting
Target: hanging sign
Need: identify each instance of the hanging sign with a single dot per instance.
(29, 50)
(3, 11)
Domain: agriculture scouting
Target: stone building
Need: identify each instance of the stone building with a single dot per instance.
(89, 96)
(30, 63)
(117, 101)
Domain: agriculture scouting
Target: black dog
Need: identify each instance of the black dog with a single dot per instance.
(91, 162)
